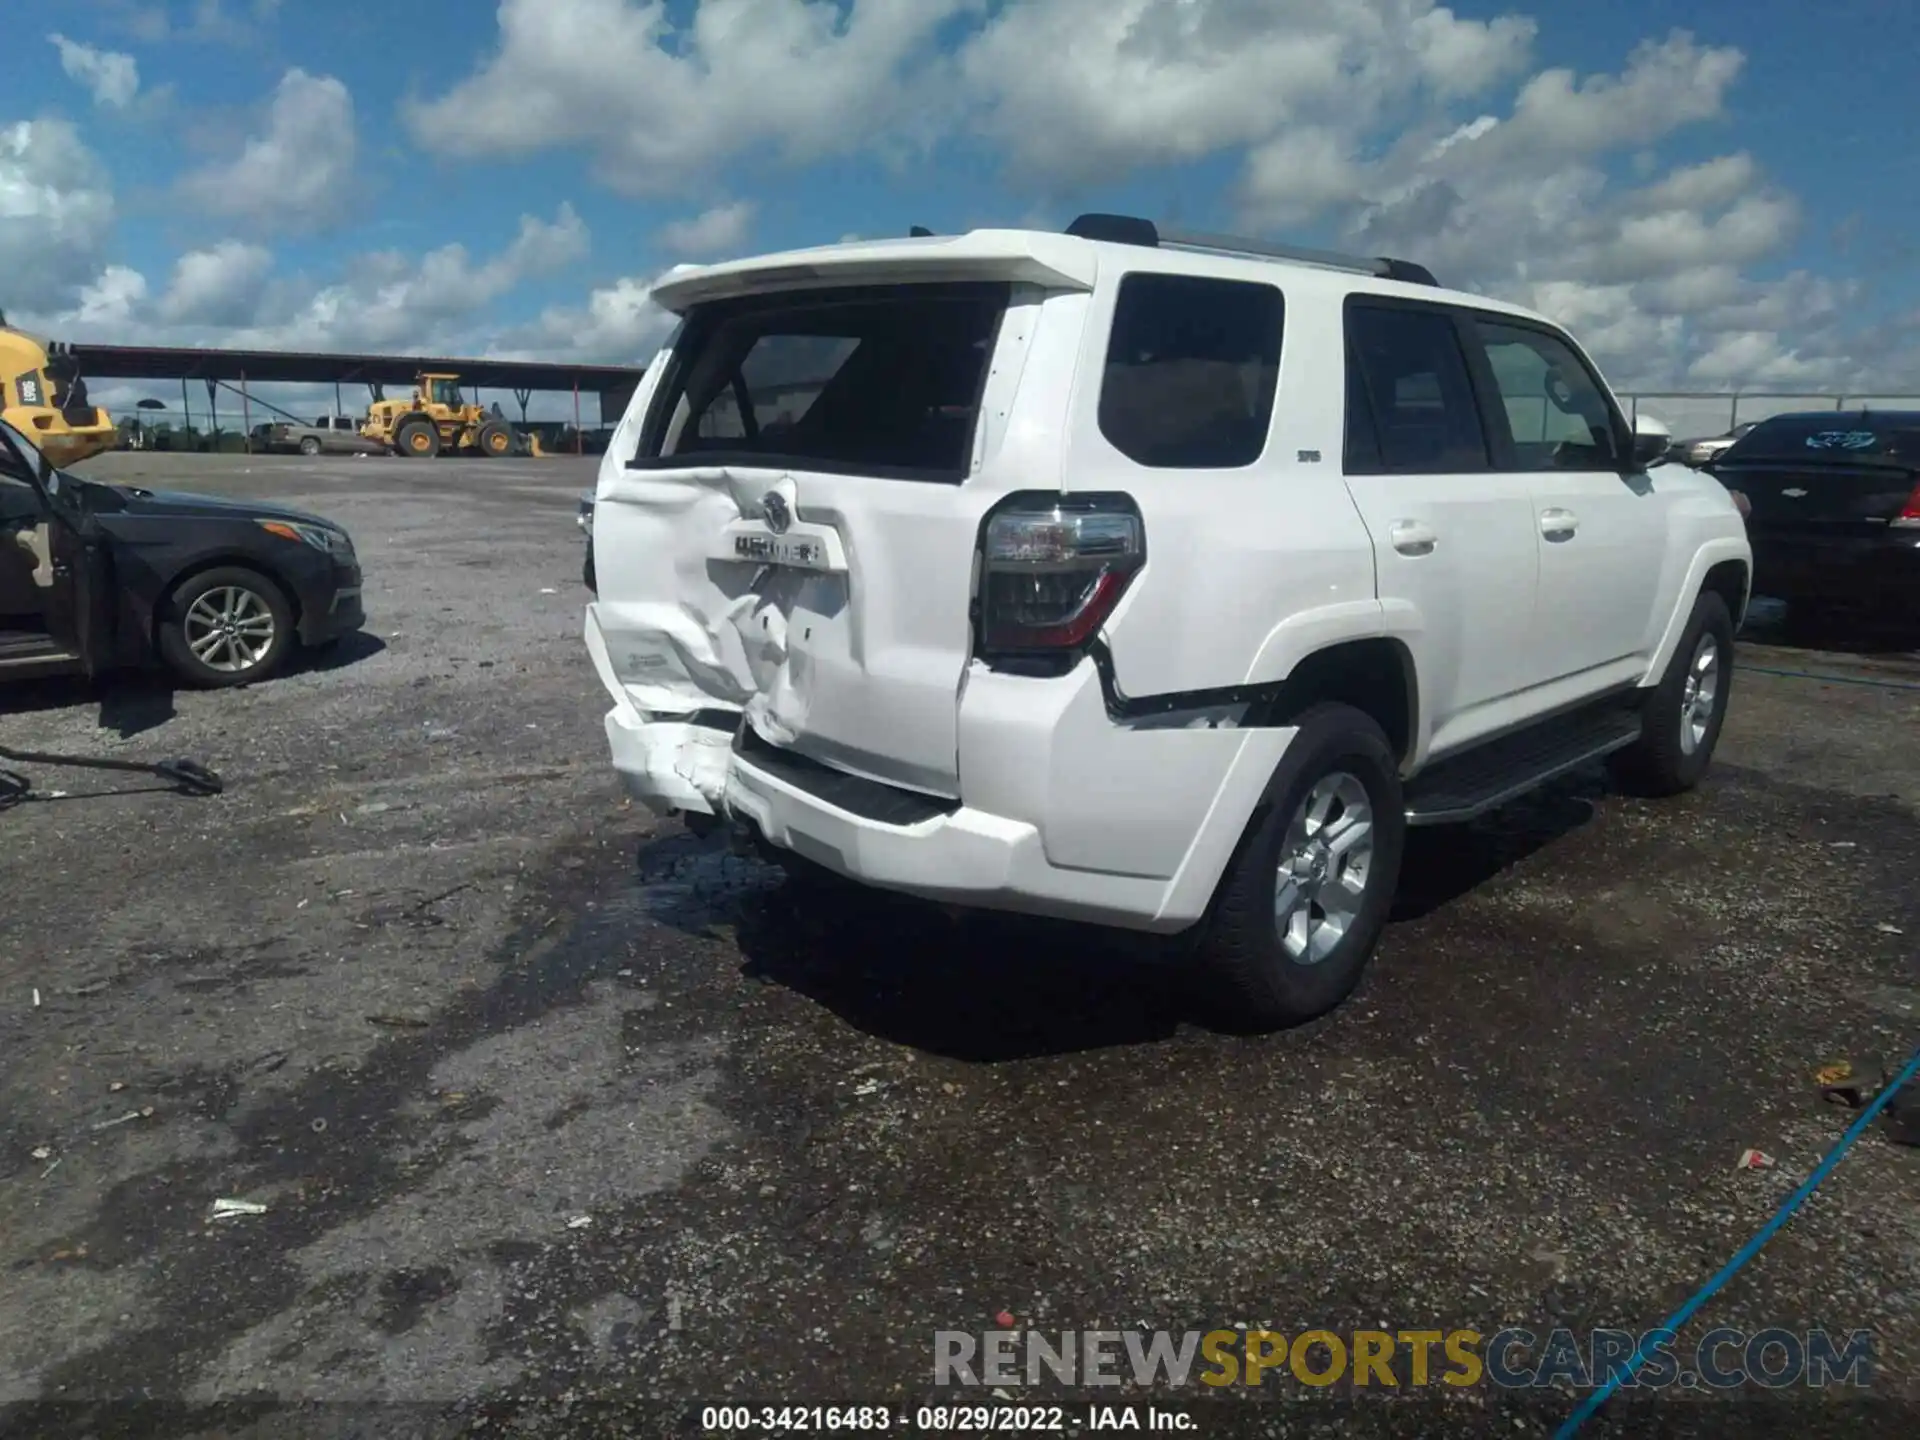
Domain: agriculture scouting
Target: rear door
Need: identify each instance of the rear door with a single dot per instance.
(1451, 535)
(1600, 524)
(794, 536)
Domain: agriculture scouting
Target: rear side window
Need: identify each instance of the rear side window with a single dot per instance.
(1414, 409)
(1838, 437)
(1558, 416)
(883, 381)
(1191, 368)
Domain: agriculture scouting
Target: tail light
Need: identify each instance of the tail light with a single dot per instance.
(1052, 568)
(1909, 517)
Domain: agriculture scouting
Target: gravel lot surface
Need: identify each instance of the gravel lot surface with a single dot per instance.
(552, 1106)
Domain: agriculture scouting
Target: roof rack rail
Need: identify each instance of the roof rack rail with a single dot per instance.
(1131, 230)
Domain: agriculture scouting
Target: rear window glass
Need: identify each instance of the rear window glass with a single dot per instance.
(1191, 368)
(878, 381)
(1832, 437)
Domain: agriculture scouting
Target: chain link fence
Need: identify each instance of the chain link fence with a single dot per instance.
(1692, 414)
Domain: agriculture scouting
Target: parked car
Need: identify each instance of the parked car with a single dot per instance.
(1699, 452)
(1063, 594)
(95, 576)
(1833, 506)
(585, 521)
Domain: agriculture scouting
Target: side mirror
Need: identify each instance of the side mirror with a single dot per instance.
(1651, 443)
(1649, 449)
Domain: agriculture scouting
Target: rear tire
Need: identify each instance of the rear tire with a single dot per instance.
(225, 627)
(1682, 716)
(495, 439)
(1304, 900)
(417, 438)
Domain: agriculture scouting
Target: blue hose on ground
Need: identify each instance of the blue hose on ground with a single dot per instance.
(1746, 1252)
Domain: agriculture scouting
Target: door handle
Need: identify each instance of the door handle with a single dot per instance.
(1558, 524)
(1410, 537)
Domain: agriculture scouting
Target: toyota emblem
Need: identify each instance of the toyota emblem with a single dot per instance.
(779, 515)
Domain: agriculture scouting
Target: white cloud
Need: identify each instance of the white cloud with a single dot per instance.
(1081, 91)
(1390, 126)
(298, 174)
(56, 213)
(228, 295)
(111, 301)
(220, 286)
(658, 103)
(618, 325)
(714, 233)
(1666, 84)
(112, 78)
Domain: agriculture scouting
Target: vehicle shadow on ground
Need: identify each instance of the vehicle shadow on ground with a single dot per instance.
(130, 704)
(347, 651)
(985, 987)
(135, 702)
(1444, 863)
(976, 986)
(1838, 632)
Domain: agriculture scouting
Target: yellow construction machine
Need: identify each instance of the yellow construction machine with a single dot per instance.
(43, 396)
(435, 420)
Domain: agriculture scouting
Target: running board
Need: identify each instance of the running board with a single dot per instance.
(31, 658)
(1470, 784)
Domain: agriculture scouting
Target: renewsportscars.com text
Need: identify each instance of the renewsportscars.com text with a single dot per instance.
(1508, 1359)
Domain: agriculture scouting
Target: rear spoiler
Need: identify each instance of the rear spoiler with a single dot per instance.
(1058, 262)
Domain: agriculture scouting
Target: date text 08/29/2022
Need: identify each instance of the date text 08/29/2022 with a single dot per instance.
(939, 1419)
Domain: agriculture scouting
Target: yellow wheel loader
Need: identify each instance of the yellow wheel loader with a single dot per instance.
(43, 396)
(435, 420)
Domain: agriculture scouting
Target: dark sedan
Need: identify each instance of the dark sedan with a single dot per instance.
(585, 521)
(95, 577)
(1833, 508)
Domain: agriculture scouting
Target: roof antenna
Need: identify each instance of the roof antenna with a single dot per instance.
(920, 232)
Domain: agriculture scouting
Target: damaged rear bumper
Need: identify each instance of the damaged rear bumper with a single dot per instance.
(960, 856)
(670, 765)
(1069, 814)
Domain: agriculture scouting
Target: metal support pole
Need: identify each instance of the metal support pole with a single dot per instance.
(338, 409)
(246, 411)
(186, 414)
(213, 416)
(1733, 413)
(579, 446)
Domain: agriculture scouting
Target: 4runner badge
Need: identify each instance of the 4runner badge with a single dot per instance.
(781, 550)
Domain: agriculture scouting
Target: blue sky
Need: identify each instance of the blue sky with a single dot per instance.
(1713, 195)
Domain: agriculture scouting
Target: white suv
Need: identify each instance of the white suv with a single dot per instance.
(1069, 574)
